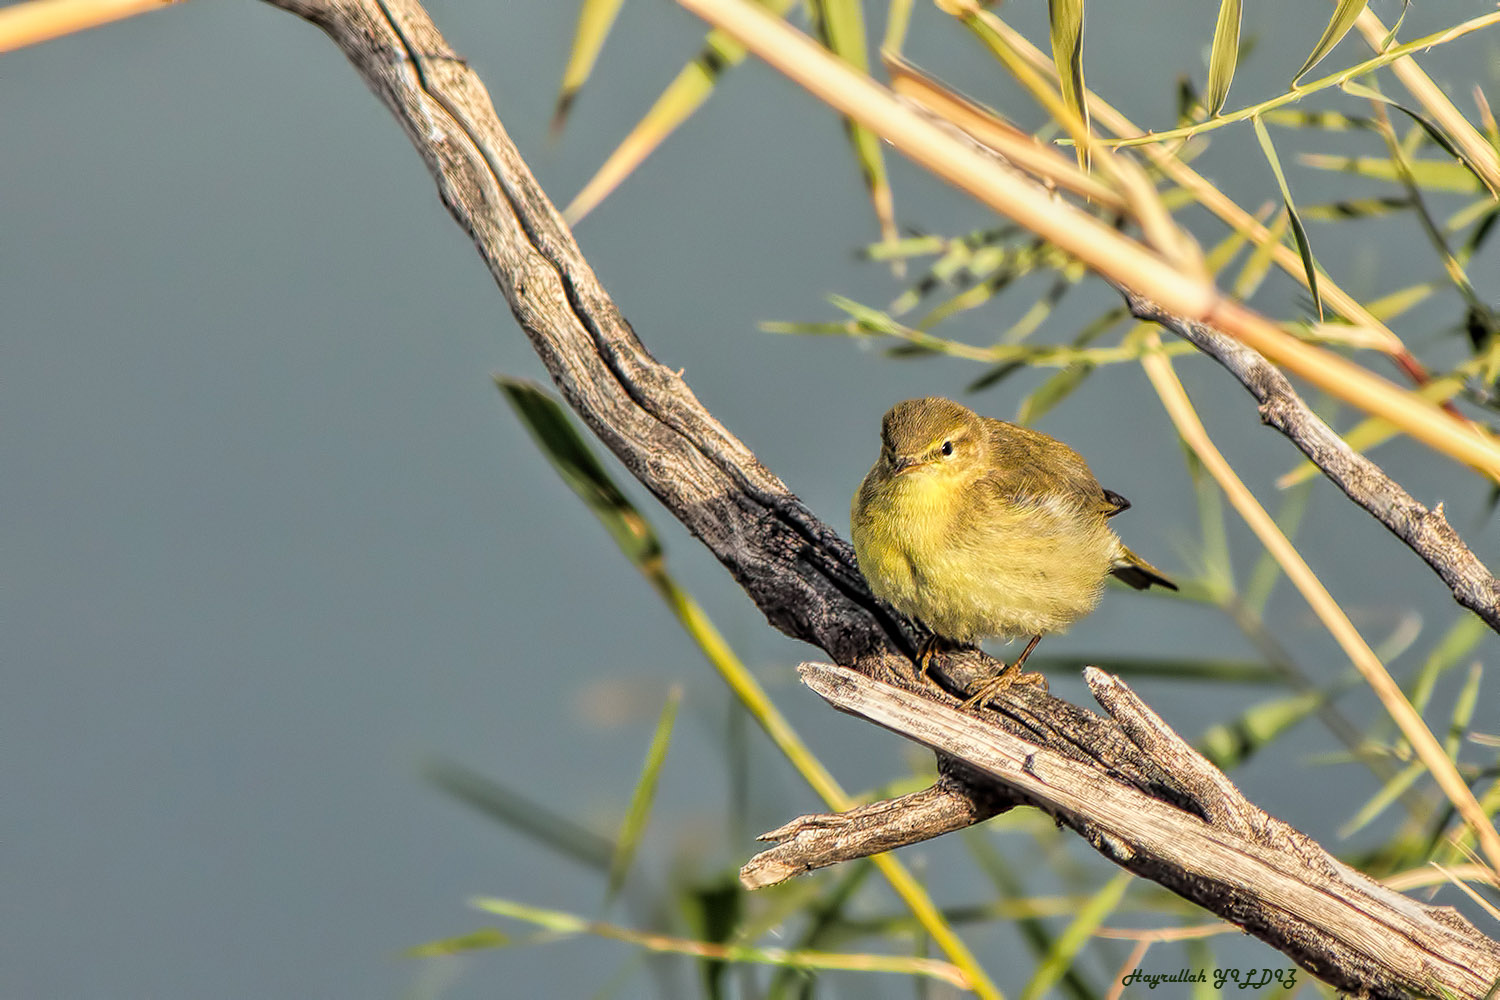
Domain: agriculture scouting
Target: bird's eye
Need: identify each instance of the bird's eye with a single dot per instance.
(947, 448)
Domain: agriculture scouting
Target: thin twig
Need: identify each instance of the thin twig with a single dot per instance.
(1385, 58)
(1427, 532)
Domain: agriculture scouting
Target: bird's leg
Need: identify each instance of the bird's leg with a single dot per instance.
(934, 643)
(1021, 660)
(1007, 676)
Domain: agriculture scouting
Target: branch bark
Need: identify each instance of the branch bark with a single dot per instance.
(798, 571)
(1426, 532)
(1214, 847)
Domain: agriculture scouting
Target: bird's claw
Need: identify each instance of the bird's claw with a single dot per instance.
(1008, 677)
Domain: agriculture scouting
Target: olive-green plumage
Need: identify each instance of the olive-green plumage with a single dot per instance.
(978, 528)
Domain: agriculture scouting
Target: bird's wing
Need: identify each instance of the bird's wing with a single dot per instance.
(1030, 468)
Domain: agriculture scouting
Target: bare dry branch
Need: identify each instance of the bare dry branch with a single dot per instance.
(1427, 532)
(817, 841)
(1216, 848)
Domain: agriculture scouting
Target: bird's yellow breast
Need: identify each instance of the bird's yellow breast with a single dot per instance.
(929, 542)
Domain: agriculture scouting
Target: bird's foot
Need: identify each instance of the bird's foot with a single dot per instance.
(1008, 678)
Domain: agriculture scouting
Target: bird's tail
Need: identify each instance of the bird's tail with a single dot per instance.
(1138, 572)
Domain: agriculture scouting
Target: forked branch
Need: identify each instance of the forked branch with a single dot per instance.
(1204, 840)
(1427, 532)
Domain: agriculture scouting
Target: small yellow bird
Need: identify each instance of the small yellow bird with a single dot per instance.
(978, 528)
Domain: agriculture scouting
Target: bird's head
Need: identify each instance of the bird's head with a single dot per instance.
(932, 435)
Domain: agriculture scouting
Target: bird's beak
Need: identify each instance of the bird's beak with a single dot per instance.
(901, 463)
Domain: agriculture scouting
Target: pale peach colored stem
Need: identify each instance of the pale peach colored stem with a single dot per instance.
(1180, 409)
(26, 24)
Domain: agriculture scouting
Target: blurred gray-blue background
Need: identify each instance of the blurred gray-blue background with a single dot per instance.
(272, 539)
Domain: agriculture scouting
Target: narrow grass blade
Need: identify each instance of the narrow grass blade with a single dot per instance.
(1338, 26)
(1487, 118)
(1324, 120)
(1455, 644)
(898, 16)
(639, 812)
(554, 433)
(1078, 933)
(484, 938)
(1357, 208)
(1304, 246)
(1190, 107)
(1390, 36)
(1065, 19)
(550, 829)
(1489, 214)
(1198, 669)
(1429, 174)
(1224, 54)
(567, 923)
(1053, 391)
(595, 18)
(1230, 744)
(841, 23)
(693, 85)
(1388, 793)
(1463, 710)
(1394, 304)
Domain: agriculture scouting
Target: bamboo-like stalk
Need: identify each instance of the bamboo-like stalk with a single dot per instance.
(1174, 398)
(1020, 148)
(1091, 241)
(38, 21)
